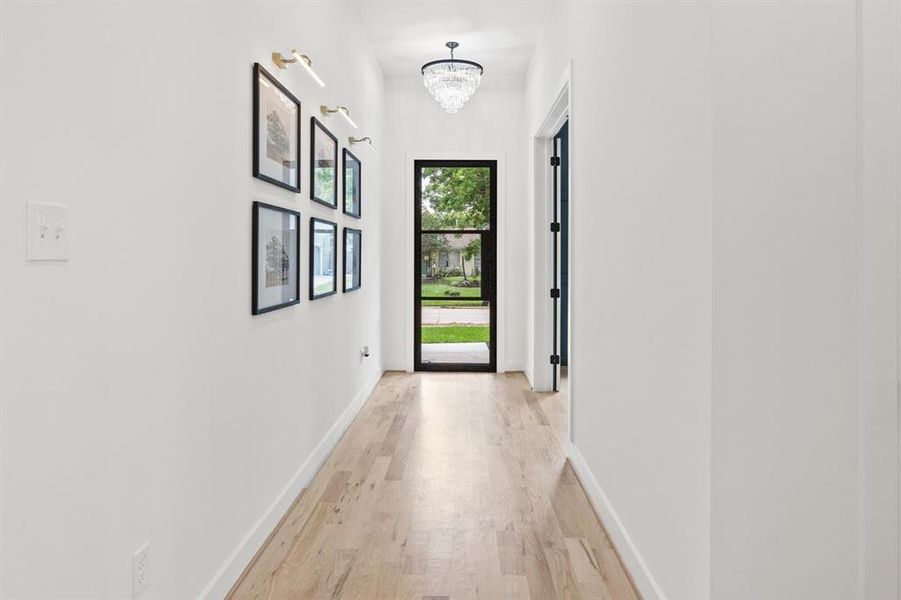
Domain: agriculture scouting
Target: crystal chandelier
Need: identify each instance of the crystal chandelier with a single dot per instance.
(452, 81)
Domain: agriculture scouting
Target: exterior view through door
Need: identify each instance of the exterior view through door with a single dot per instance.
(455, 284)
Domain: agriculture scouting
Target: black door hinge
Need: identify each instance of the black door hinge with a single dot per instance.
(555, 161)
(555, 227)
(555, 359)
(555, 292)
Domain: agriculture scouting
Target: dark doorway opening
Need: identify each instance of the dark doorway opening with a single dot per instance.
(560, 230)
(563, 136)
(455, 288)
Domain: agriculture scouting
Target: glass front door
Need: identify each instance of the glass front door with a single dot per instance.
(455, 286)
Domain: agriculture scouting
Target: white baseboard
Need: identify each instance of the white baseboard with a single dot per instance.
(513, 365)
(234, 566)
(505, 367)
(622, 541)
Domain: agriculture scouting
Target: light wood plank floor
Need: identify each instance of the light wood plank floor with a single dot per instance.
(446, 486)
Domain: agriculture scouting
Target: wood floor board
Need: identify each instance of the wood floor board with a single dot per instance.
(446, 486)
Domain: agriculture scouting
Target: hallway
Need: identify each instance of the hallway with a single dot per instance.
(445, 486)
(286, 285)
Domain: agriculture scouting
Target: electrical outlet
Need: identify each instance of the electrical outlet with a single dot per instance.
(47, 232)
(140, 570)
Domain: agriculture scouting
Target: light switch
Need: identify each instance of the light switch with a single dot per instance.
(47, 232)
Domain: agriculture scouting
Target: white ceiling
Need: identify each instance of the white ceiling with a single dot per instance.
(501, 35)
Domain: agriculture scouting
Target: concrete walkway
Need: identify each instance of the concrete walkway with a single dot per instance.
(472, 352)
(438, 315)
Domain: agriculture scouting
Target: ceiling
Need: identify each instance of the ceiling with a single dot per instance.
(501, 35)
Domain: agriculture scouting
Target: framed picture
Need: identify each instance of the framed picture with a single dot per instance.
(323, 258)
(276, 132)
(323, 164)
(352, 185)
(353, 259)
(276, 258)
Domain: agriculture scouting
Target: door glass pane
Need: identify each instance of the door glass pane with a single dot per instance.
(450, 267)
(455, 332)
(456, 197)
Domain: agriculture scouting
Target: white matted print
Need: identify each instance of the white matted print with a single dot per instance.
(276, 134)
(276, 257)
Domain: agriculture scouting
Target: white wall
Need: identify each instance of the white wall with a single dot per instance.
(490, 125)
(736, 183)
(879, 189)
(140, 399)
(784, 424)
(641, 269)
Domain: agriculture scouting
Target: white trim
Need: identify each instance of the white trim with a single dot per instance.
(559, 110)
(898, 314)
(251, 543)
(512, 366)
(541, 308)
(857, 196)
(409, 225)
(501, 251)
(641, 575)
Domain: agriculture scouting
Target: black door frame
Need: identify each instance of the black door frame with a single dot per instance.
(489, 263)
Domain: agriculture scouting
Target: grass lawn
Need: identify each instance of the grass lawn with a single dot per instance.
(438, 288)
(452, 303)
(454, 334)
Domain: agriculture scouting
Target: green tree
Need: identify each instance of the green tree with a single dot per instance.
(456, 197)
(325, 180)
(432, 245)
(472, 249)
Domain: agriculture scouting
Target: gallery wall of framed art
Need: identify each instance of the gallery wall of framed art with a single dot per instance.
(276, 230)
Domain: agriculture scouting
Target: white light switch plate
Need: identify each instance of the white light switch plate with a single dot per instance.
(47, 232)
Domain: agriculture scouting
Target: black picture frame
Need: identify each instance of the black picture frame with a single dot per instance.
(257, 306)
(316, 259)
(357, 188)
(259, 76)
(316, 127)
(358, 253)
